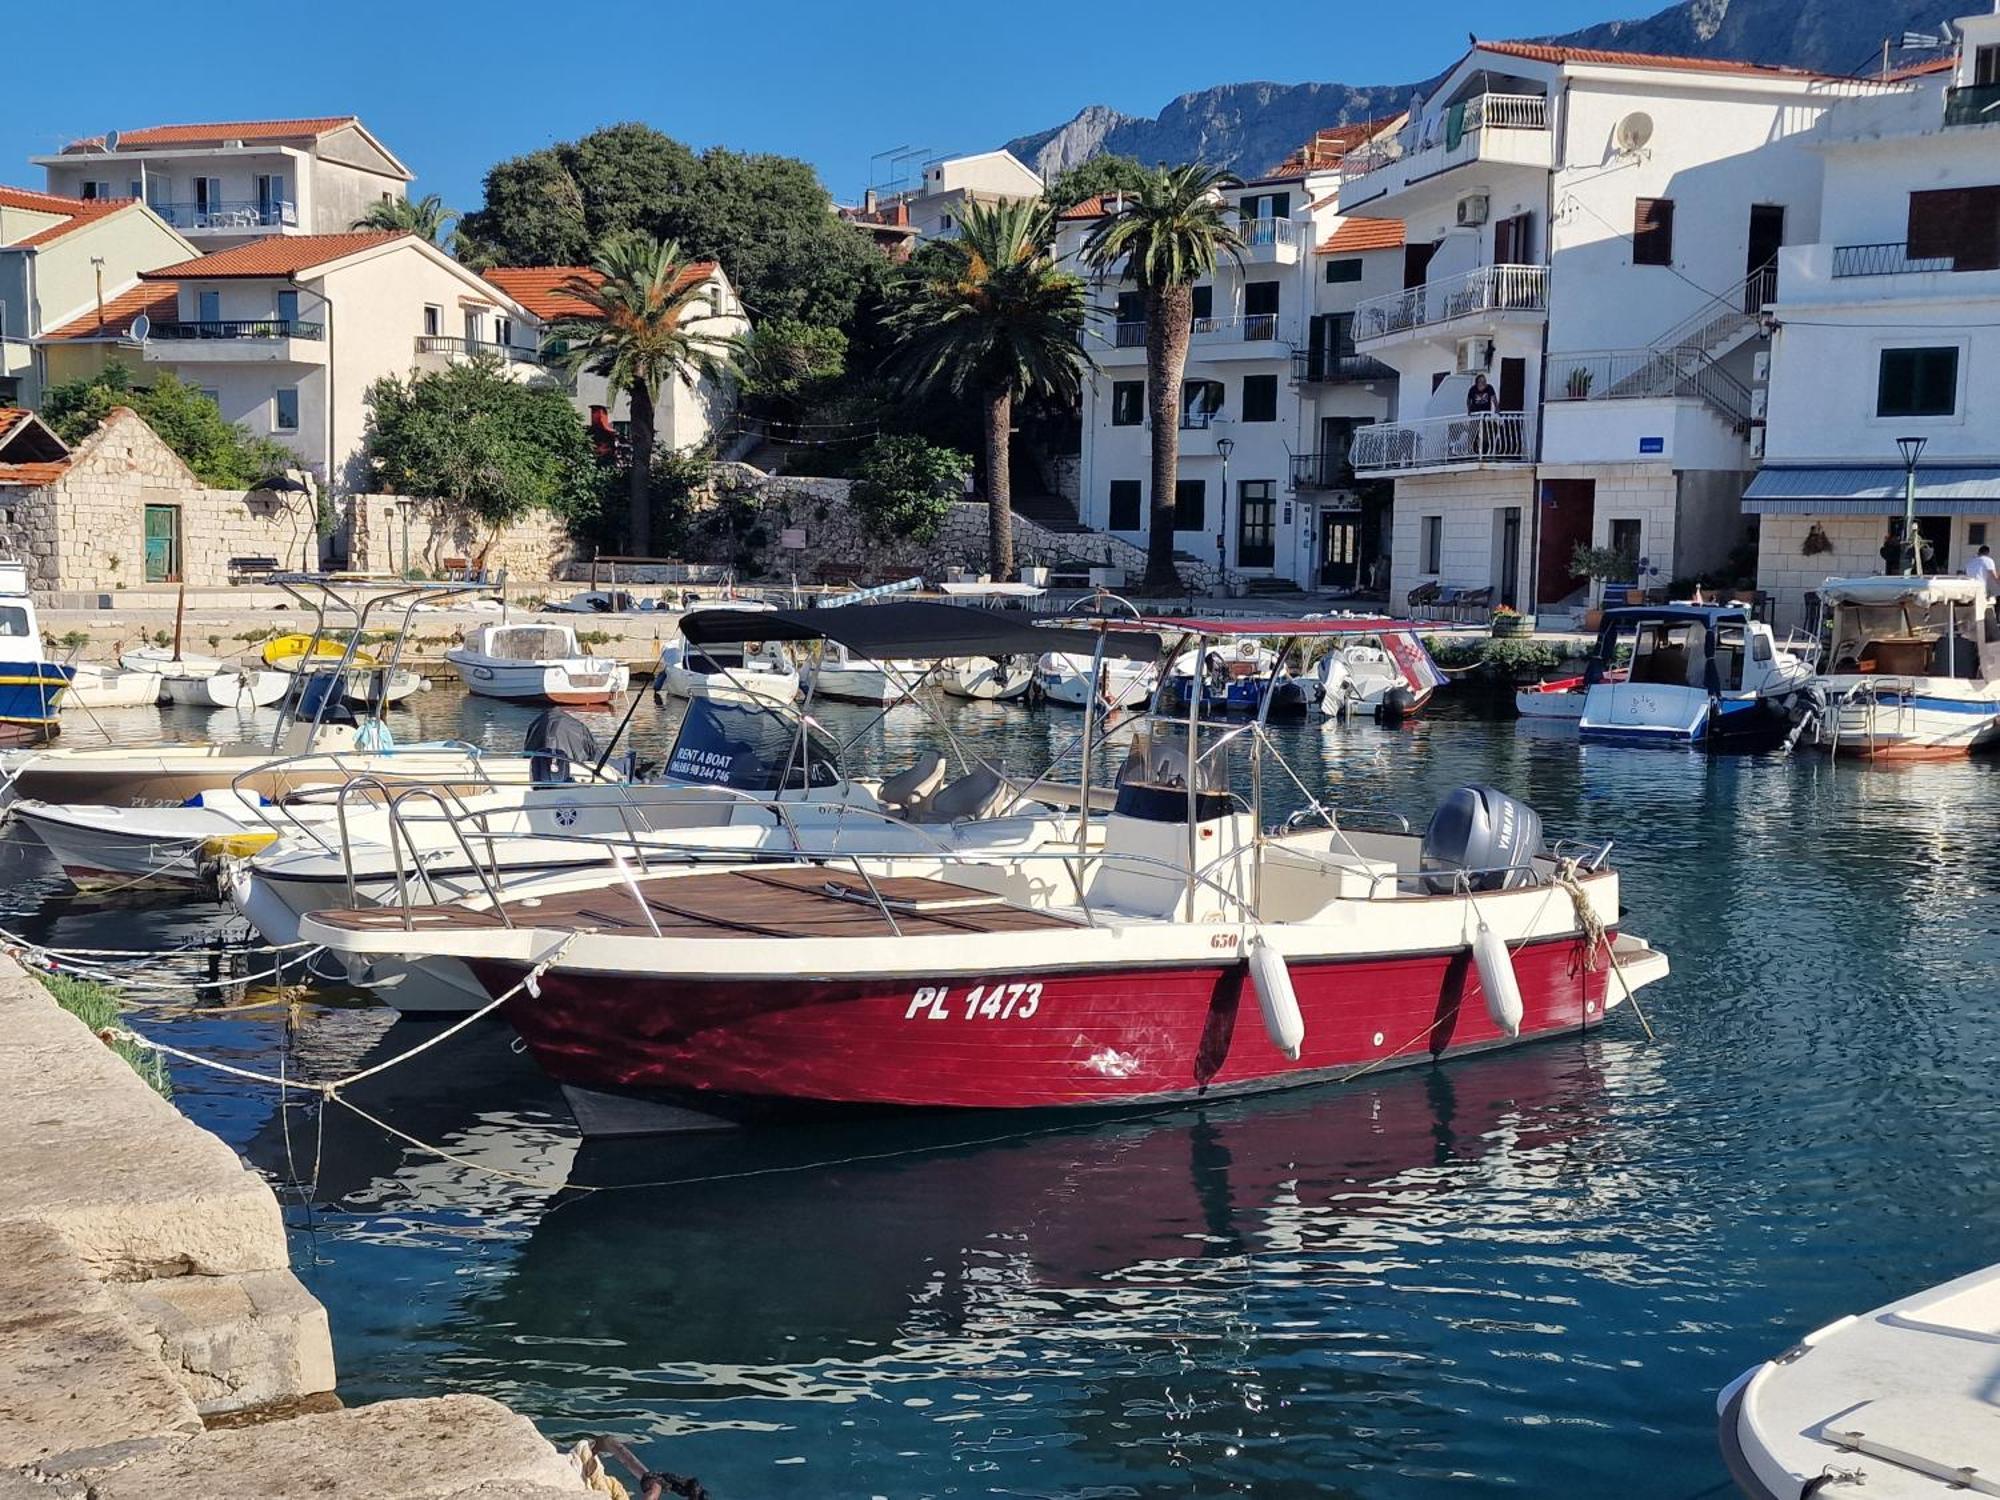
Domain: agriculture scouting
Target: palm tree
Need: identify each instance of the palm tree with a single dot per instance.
(645, 302)
(1000, 323)
(427, 218)
(1170, 233)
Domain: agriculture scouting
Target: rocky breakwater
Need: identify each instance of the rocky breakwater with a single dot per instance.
(150, 1323)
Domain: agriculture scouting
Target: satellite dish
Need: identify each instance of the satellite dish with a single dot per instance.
(141, 326)
(1634, 131)
(110, 140)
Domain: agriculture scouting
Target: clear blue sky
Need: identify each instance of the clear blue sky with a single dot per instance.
(453, 88)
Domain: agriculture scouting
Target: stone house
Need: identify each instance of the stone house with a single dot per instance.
(122, 508)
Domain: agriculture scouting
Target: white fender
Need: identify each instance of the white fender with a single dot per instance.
(1275, 997)
(1496, 977)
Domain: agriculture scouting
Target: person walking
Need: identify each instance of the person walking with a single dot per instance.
(1481, 402)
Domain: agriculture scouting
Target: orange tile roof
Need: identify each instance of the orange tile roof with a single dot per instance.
(76, 212)
(539, 288)
(1543, 52)
(1943, 64)
(32, 473)
(33, 476)
(1090, 208)
(275, 255)
(1355, 235)
(216, 134)
(10, 417)
(156, 302)
(1328, 146)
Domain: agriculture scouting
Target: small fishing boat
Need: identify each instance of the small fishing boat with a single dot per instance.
(1913, 671)
(366, 681)
(230, 687)
(604, 602)
(291, 653)
(836, 672)
(1074, 681)
(1133, 972)
(538, 663)
(118, 849)
(1377, 667)
(96, 685)
(1703, 675)
(1897, 1404)
(738, 669)
(987, 679)
(163, 661)
(31, 689)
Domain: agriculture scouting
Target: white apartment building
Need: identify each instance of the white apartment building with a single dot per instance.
(685, 412)
(936, 205)
(225, 184)
(61, 260)
(1888, 327)
(1597, 233)
(1274, 392)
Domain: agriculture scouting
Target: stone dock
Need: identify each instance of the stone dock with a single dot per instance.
(153, 1340)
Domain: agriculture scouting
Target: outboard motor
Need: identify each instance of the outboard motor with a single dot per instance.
(556, 742)
(1395, 705)
(320, 701)
(1480, 828)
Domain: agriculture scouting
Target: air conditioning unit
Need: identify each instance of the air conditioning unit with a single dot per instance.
(1760, 367)
(1474, 355)
(1472, 210)
(1757, 442)
(1758, 397)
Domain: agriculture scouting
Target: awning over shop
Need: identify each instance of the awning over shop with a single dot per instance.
(1872, 491)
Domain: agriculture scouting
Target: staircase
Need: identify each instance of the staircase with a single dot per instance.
(1050, 512)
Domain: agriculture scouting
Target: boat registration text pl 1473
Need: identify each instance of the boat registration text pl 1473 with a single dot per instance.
(1000, 1001)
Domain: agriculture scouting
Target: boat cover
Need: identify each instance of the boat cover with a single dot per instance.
(914, 629)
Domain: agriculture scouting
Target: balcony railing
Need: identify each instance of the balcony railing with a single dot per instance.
(245, 214)
(1973, 104)
(1489, 289)
(1324, 367)
(233, 328)
(1884, 260)
(1435, 442)
(1265, 233)
(1128, 335)
(437, 343)
(1481, 112)
(1647, 374)
(1322, 471)
(1251, 327)
(1197, 420)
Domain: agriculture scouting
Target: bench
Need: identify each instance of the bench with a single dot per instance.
(242, 568)
(459, 570)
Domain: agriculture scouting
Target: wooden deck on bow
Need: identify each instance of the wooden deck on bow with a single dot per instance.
(785, 902)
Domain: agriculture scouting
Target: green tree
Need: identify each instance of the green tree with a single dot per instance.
(1000, 328)
(786, 361)
(645, 331)
(766, 218)
(221, 453)
(1170, 234)
(427, 218)
(1108, 173)
(904, 486)
(489, 448)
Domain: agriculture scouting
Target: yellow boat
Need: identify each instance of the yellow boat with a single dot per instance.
(287, 653)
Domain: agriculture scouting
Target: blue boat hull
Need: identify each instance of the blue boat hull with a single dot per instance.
(31, 690)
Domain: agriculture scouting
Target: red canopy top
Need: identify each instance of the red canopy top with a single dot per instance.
(1286, 626)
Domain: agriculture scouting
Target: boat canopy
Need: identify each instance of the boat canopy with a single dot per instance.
(1942, 588)
(1677, 614)
(914, 629)
(1295, 627)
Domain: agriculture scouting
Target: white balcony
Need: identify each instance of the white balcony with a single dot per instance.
(1492, 439)
(227, 216)
(1267, 241)
(1243, 336)
(1491, 294)
(445, 348)
(1507, 129)
(283, 341)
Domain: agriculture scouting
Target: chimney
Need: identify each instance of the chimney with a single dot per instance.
(868, 200)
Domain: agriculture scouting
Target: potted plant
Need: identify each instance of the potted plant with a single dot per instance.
(1600, 565)
(1581, 379)
(1509, 623)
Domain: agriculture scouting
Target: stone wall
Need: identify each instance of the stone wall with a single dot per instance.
(1787, 572)
(393, 534)
(88, 529)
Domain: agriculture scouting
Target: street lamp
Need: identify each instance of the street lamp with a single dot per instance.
(1225, 447)
(1912, 449)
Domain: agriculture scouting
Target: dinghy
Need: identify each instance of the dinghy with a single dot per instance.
(95, 685)
(739, 669)
(538, 663)
(231, 687)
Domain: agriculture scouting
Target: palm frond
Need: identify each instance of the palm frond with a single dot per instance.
(1171, 231)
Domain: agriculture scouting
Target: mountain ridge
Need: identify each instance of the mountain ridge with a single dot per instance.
(1248, 128)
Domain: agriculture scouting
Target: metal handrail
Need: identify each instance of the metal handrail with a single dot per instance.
(442, 343)
(1489, 289)
(1428, 442)
(1646, 374)
(1888, 259)
(237, 328)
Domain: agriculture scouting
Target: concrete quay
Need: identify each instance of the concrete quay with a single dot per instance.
(150, 1321)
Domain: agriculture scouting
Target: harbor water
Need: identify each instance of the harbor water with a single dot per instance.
(1525, 1274)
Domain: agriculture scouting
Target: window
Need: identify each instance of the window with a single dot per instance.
(1267, 206)
(1202, 301)
(1257, 523)
(475, 326)
(10, 390)
(1961, 225)
(286, 404)
(433, 320)
(1260, 299)
(135, 188)
(1124, 505)
(1190, 504)
(1431, 543)
(1260, 398)
(1918, 382)
(945, 220)
(1653, 232)
(94, 190)
(1975, 534)
(1128, 403)
(1201, 402)
(3, 322)
(503, 331)
(1986, 67)
(1346, 269)
(288, 308)
(208, 307)
(1624, 537)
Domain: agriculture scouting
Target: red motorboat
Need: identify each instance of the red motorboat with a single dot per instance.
(1182, 950)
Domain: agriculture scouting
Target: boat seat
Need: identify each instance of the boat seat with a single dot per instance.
(905, 793)
(977, 794)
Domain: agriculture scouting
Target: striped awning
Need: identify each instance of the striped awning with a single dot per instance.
(1827, 490)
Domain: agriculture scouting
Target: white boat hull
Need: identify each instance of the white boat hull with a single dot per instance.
(115, 849)
(860, 684)
(98, 686)
(739, 683)
(228, 688)
(987, 681)
(1921, 718)
(536, 682)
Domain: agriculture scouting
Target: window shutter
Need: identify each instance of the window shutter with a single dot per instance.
(1979, 242)
(1934, 222)
(1653, 232)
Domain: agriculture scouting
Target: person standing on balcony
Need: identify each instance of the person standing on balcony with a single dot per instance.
(1982, 568)
(1481, 401)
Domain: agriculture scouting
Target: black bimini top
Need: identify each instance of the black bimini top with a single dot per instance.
(1677, 614)
(914, 629)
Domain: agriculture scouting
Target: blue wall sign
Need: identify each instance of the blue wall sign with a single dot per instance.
(1652, 445)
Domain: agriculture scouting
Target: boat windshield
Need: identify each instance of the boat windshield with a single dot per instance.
(746, 747)
(1910, 637)
(1153, 781)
